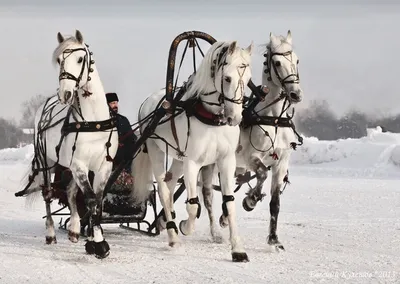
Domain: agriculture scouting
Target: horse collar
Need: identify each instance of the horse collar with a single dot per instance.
(207, 117)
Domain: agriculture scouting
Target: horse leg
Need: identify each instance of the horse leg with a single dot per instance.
(227, 170)
(74, 225)
(278, 175)
(101, 247)
(171, 178)
(255, 194)
(46, 191)
(80, 175)
(157, 160)
(207, 190)
(191, 171)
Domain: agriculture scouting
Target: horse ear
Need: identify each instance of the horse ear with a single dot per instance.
(60, 38)
(273, 38)
(232, 47)
(249, 49)
(79, 36)
(289, 37)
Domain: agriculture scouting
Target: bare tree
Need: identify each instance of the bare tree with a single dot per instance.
(29, 108)
(318, 120)
(10, 134)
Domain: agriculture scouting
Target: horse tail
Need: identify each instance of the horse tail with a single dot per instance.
(142, 174)
(31, 185)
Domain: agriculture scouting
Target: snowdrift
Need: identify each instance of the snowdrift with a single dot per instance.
(376, 151)
(17, 155)
(375, 148)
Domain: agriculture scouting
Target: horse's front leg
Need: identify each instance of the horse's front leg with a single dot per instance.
(207, 190)
(227, 167)
(191, 171)
(255, 194)
(101, 247)
(278, 174)
(80, 175)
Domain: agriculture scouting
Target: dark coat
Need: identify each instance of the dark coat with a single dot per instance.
(126, 141)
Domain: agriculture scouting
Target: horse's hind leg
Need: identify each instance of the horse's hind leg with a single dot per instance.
(255, 194)
(157, 162)
(47, 195)
(207, 190)
(74, 226)
(171, 178)
(191, 171)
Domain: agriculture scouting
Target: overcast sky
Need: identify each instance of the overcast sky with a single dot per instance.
(348, 52)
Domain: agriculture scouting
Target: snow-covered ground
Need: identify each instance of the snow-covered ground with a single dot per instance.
(339, 223)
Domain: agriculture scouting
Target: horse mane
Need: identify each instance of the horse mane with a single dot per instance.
(198, 80)
(62, 46)
(280, 46)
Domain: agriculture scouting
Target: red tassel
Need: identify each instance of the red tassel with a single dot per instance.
(274, 156)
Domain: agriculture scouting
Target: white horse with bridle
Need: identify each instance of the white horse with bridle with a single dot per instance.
(268, 135)
(208, 126)
(76, 130)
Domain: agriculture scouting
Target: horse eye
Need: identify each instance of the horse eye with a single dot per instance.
(80, 59)
(228, 79)
(298, 61)
(277, 63)
(58, 60)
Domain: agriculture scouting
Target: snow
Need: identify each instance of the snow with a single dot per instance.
(339, 223)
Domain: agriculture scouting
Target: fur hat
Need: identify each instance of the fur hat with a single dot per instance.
(111, 97)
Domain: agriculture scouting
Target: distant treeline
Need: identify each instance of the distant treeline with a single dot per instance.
(317, 120)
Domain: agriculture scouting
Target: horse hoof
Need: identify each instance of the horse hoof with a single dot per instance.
(275, 244)
(73, 237)
(222, 222)
(218, 239)
(173, 244)
(90, 247)
(51, 240)
(240, 257)
(182, 223)
(101, 249)
(161, 225)
(246, 206)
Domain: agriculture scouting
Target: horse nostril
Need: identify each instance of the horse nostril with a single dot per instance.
(294, 96)
(68, 95)
(229, 120)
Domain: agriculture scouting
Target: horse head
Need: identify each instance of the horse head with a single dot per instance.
(282, 67)
(221, 79)
(74, 61)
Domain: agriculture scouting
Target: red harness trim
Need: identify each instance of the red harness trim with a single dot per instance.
(200, 110)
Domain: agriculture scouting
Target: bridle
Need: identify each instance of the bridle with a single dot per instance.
(292, 78)
(87, 62)
(220, 63)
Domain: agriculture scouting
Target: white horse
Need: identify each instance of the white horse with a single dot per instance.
(80, 125)
(267, 135)
(210, 132)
